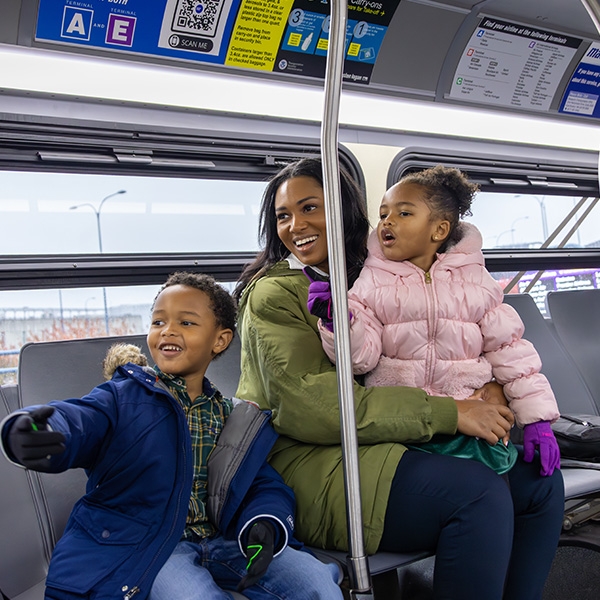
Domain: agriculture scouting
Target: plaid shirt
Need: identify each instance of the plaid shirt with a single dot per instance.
(206, 416)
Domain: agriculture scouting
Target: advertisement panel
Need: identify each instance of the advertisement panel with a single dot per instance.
(286, 36)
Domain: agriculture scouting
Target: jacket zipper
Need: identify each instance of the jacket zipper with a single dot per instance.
(134, 590)
(429, 294)
(131, 593)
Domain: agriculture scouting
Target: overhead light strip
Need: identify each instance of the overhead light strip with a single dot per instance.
(33, 70)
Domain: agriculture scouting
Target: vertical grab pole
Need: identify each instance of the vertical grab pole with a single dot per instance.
(358, 565)
(593, 10)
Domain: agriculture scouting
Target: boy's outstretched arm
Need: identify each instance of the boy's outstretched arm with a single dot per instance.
(80, 425)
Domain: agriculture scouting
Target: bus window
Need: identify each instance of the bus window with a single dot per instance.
(56, 213)
(537, 221)
(58, 314)
(46, 315)
(529, 220)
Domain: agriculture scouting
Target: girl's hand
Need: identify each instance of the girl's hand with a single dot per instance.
(492, 393)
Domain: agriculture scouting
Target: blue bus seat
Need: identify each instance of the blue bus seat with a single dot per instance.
(576, 317)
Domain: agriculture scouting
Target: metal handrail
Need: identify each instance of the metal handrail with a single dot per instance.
(593, 9)
(357, 562)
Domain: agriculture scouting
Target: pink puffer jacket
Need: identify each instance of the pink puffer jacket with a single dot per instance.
(447, 332)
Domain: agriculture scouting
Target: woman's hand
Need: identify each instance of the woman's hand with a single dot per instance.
(492, 393)
(485, 420)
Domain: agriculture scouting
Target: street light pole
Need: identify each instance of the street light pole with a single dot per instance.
(542, 204)
(500, 235)
(512, 228)
(97, 212)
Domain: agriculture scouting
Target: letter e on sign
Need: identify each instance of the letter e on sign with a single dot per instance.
(120, 30)
(77, 23)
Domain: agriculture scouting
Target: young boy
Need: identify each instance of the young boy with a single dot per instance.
(181, 503)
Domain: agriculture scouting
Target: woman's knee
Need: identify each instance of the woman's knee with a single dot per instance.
(484, 497)
(431, 492)
(531, 491)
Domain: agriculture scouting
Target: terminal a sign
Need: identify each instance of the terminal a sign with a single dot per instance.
(284, 36)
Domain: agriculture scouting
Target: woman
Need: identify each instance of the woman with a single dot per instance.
(411, 500)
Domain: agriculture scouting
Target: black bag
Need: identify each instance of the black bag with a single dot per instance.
(578, 437)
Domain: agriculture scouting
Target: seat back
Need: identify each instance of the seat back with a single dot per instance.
(64, 369)
(23, 550)
(9, 395)
(576, 317)
(570, 389)
(572, 393)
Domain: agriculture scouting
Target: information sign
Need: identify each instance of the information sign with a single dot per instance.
(512, 65)
(582, 92)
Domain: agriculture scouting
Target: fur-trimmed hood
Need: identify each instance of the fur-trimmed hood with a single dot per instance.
(120, 354)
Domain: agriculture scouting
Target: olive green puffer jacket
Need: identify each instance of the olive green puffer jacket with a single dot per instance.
(285, 369)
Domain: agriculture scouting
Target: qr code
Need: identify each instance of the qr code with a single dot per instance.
(197, 16)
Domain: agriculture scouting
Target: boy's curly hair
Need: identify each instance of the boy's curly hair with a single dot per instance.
(449, 194)
(222, 304)
(120, 354)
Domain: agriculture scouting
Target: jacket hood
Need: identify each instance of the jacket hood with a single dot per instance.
(466, 251)
(120, 354)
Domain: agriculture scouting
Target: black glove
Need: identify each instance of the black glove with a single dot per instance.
(30, 441)
(259, 548)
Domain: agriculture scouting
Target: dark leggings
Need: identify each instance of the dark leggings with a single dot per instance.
(491, 540)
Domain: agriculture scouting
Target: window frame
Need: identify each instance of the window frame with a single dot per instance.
(94, 148)
(500, 175)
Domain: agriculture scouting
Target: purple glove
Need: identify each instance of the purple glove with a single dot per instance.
(319, 297)
(540, 435)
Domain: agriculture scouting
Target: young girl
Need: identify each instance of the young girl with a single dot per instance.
(426, 313)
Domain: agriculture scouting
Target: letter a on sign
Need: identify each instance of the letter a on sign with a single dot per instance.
(77, 23)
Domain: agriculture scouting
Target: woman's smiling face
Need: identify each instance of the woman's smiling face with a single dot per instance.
(300, 214)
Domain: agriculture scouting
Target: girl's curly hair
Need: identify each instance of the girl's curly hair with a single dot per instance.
(449, 194)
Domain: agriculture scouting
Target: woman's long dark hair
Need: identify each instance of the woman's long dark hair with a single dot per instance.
(355, 220)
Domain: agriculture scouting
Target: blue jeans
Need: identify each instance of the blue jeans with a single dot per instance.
(491, 540)
(205, 570)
